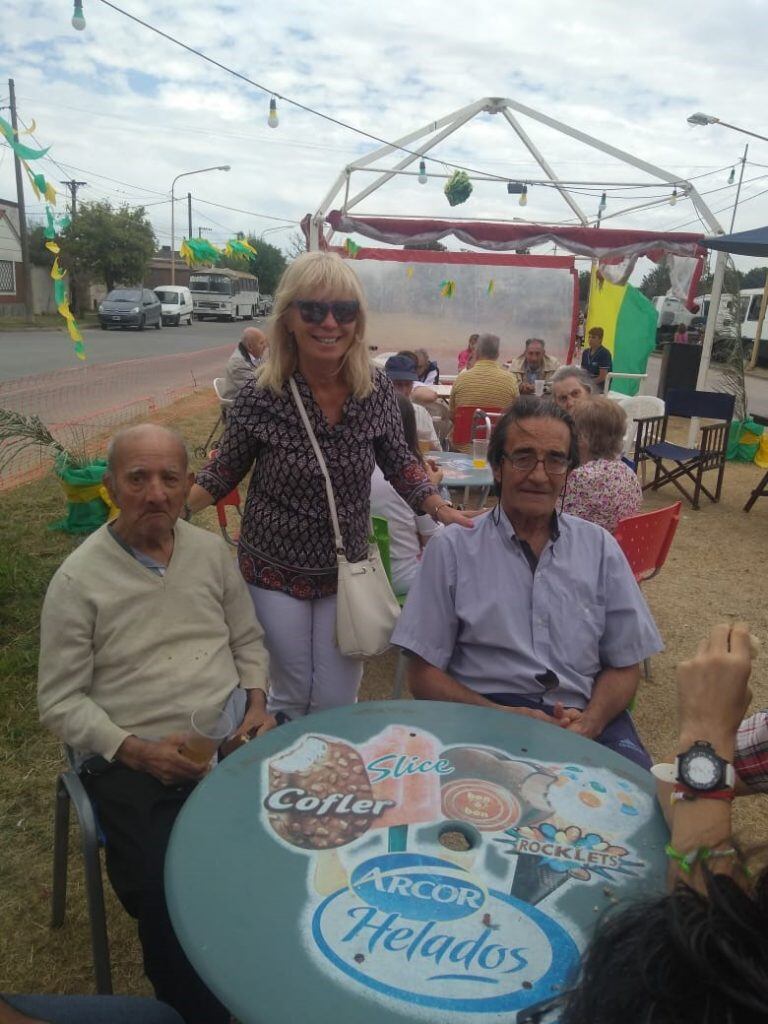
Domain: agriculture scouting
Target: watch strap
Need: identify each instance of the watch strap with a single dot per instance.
(681, 792)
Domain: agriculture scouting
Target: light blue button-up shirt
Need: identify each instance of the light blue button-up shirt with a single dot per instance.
(477, 611)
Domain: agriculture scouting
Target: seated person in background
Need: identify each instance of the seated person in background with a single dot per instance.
(248, 356)
(534, 364)
(530, 612)
(408, 532)
(681, 335)
(148, 620)
(466, 353)
(401, 370)
(422, 394)
(596, 359)
(698, 955)
(427, 369)
(486, 385)
(602, 488)
(570, 385)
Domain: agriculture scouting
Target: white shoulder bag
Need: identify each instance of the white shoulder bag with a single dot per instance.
(366, 608)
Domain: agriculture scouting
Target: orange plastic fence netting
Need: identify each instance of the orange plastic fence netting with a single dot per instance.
(86, 404)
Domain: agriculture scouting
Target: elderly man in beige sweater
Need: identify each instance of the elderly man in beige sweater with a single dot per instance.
(148, 620)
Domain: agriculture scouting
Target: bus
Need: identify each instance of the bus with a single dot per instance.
(750, 305)
(224, 294)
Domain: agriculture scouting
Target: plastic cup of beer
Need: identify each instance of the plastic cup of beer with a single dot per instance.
(209, 727)
(425, 441)
(538, 388)
(480, 453)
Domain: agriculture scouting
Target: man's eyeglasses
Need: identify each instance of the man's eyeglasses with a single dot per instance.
(311, 312)
(525, 462)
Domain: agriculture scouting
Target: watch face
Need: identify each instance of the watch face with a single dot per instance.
(701, 771)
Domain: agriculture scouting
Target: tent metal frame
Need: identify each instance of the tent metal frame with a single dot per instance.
(423, 140)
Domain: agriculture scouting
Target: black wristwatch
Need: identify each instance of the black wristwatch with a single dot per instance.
(702, 770)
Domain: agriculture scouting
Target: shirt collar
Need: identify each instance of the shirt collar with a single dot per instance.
(507, 529)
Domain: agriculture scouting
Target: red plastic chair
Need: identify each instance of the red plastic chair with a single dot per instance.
(463, 418)
(645, 541)
(647, 538)
(231, 500)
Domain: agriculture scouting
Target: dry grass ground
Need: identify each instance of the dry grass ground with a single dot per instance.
(716, 570)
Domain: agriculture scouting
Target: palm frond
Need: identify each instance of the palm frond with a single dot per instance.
(18, 433)
(732, 381)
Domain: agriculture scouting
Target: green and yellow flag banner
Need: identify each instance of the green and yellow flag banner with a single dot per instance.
(629, 323)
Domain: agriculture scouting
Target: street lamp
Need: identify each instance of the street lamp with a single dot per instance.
(699, 119)
(184, 174)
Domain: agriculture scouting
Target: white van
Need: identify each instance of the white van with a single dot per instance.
(176, 302)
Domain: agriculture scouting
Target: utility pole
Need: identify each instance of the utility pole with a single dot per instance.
(189, 214)
(201, 229)
(73, 186)
(26, 276)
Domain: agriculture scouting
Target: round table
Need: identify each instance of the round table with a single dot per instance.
(407, 860)
(459, 473)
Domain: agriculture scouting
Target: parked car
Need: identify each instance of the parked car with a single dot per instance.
(176, 302)
(130, 307)
(265, 305)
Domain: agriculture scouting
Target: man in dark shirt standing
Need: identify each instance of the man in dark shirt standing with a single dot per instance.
(596, 359)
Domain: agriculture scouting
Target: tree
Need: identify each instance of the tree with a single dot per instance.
(585, 276)
(112, 245)
(297, 244)
(754, 278)
(427, 246)
(38, 254)
(657, 282)
(268, 264)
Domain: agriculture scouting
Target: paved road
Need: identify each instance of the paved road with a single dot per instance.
(24, 353)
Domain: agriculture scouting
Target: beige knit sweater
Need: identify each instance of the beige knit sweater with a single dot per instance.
(125, 651)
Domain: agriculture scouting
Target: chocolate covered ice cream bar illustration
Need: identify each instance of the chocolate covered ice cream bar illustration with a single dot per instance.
(319, 794)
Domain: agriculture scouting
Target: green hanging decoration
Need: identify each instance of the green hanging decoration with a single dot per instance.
(458, 188)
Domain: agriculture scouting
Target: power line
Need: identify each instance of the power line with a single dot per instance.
(248, 213)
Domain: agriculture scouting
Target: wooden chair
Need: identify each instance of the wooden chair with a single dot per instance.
(645, 540)
(761, 491)
(651, 443)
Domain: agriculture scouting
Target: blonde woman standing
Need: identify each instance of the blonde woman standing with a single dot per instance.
(286, 550)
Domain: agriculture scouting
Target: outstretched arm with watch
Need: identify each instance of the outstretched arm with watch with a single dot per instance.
(697, 790)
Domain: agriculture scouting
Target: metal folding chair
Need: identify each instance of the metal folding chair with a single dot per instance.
(231, 500)
(651, 443)
(70, 791)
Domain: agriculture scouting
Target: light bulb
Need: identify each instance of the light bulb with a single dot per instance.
(422, 173)
(523, 200)
(673, 197)
(78, 18)
(732, 176)
(273, 120)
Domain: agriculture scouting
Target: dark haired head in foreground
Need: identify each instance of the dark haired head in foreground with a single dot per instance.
(680, 959)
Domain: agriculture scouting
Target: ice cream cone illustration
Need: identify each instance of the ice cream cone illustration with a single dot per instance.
(535, 879)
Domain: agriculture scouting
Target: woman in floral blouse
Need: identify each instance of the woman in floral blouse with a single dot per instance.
(603, 489)
(286, 550)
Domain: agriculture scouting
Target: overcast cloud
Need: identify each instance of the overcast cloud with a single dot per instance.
(118, 102)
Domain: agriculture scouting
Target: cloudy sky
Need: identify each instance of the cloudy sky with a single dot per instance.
(126, 110)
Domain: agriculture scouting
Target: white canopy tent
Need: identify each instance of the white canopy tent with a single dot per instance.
(417, 144)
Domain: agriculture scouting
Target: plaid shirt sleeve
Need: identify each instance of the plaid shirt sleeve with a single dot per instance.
(751, 760)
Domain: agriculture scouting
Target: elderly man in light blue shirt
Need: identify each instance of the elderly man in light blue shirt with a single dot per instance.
(531, 612)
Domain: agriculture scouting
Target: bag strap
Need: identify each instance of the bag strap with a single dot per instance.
(316, 448)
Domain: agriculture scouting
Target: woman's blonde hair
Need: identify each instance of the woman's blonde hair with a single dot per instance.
(601, 423)
(308, 275)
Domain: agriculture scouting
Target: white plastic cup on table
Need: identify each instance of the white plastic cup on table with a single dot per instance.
(209, 727)
(480, 453)
(538, 388)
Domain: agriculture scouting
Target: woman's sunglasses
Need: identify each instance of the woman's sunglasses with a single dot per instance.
(311, 312)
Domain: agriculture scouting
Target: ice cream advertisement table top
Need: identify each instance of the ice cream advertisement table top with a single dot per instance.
(407, 860)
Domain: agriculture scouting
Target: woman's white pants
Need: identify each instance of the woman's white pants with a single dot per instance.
(307, 672)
